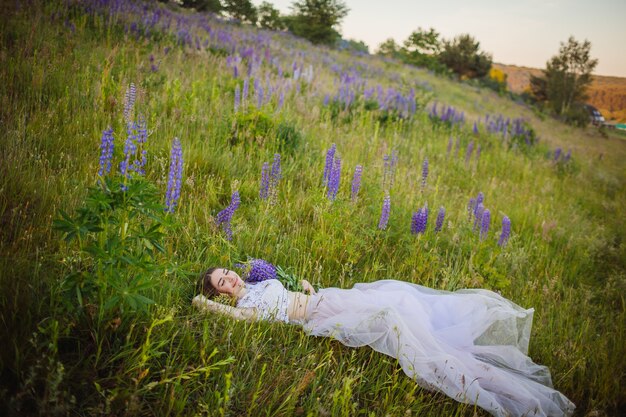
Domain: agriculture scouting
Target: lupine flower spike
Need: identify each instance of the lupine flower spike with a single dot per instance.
(225, 216)
(424, 172)
(384, 215)
(484, 224)
(506, 231)
(174, 181)
(275, 176)
(440, 217)
(330, 156)
(265, 182)
(335, 177)
(106, 152)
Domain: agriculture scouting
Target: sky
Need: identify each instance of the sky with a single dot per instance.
(522, 32)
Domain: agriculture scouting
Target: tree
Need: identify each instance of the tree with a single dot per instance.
(214, 6)
(242, 10)
(389, 49)
(316, 20)
(566, 78)
(463, 56)
(269, 17)
(421, 47)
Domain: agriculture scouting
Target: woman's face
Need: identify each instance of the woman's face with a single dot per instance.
(226, 281)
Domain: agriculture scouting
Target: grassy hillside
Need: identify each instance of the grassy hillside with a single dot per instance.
(96, 277)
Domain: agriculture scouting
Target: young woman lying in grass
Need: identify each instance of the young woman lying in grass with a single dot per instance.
(470, 344)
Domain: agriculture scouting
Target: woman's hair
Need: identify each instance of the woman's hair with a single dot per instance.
(204, 285)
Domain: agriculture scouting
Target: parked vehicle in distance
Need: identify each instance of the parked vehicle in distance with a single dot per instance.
(595, 116)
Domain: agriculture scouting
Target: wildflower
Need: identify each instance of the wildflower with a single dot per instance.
(484, 224)
(356, 181)
(237, 98)
(440, 217)
(475, 129)
(333, 181)
(225, 216)
(175, 176)
(384, 215)
(246, 87)
(568, 155)
(506, 231)
(480, 198)
(106, 152)
(557, 154)
(129, 102)
(470, 207)
(265, 181)
(424, 172)
(275, 176)
(330, 155)
(130, 147)
(480, 208)
(141, 137)
(468, 153)
(419, 220)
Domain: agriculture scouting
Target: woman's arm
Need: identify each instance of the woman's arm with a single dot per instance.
(204, 304)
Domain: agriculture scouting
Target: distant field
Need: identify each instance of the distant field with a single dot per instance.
(608, 94)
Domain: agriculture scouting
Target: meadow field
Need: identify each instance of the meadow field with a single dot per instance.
(141, 144)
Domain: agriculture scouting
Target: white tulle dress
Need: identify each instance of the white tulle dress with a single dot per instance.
(469, 344)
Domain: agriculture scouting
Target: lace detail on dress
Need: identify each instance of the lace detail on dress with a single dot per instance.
(270, 299)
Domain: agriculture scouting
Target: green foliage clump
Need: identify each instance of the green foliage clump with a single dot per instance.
(256, 128)
(118, 247)
(463, 56)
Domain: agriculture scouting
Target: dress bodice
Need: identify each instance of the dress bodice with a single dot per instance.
(269, 297)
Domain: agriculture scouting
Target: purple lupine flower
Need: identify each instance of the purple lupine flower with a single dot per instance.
(335, 177)
(330, 155)
(141, 137)
(506, 231)
(480, 198)
(475, 129)
(484, 224)
(225, 216)
(557, 154)
(258, 270)
(275, 176)
(384, 214)
(237, 98)
(175, 176)
(480, 208)
(246, 87)
(130, 147)
(281, 100)
(470, 207)
(468, 153)
(265, 181)
(440, 216)
(356, 182)
(129, 102)
(419, 220)
(568, 155)
(106, 152)
(424, 172)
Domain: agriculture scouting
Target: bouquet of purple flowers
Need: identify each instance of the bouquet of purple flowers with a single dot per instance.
(257, 270)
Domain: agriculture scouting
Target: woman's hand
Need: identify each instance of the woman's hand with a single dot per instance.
(307, 287)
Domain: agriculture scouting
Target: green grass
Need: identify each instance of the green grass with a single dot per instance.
(60, 88)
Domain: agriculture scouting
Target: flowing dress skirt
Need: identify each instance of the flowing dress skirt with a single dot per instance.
(471, 345)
